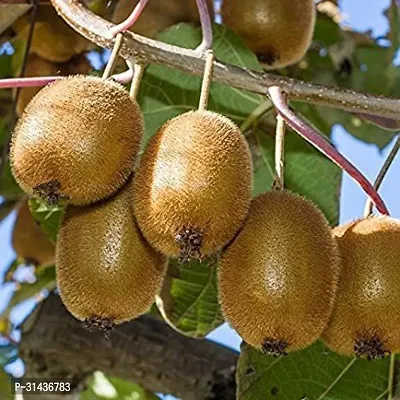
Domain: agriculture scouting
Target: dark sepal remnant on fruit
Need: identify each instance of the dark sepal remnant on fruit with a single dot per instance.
(274, 347)
(370, 347)
(49, 191)
(190, 240)
(269, 57)
(105, 325)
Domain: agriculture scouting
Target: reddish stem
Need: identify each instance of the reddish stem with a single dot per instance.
(278, 98)
(125, 25)
(206, 27)
(10, 83)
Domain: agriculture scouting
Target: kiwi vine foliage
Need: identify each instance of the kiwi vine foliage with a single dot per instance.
(189, 299)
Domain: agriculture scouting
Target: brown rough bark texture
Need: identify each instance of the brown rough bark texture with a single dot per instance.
(145, 351)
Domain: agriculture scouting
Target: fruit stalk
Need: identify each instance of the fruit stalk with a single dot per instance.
(279, 183)
(113, 57)
(206, 27)
(125, 25)
(297, 124)
(138, 70)
(207, 79)
(382, 173)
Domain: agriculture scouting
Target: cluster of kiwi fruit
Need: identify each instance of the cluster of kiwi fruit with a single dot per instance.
(285, 278)
(288, 280)
(76, 143)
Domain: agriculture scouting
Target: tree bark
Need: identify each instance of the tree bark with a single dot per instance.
(145, 351)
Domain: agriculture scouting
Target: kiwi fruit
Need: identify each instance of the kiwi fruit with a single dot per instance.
(38, 66)
(159, 14)
(366, 318)
(77, 140)
(278, 278)
(193, 185)
(106, 272)
(279, 32)
(52, 38)
(29, 241)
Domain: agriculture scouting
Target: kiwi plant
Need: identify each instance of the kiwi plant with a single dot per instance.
(366, 317)
(29, 241)
(77, 140)
(159, 14)
(284, 278)
(279, 32)
(106, 272)
(277, 280)
(53, 39)
(193, 185)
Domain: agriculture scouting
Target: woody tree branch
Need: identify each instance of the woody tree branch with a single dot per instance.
(148, 51)
(145, 351)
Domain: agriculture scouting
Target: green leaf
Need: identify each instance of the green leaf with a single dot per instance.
(313, 374)
(6, 206)
(166, 93)
(8, 353)
(307, 172)
(5, 386)
(393, 15)
(327, 31)
(189, 299)
(8, 186)
(49, 217)
(10, 269)
(6, 65)
(101, 386)
(45, 280)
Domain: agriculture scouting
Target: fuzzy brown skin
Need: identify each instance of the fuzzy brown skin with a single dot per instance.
(159, 14)
(52, 38)
(29, 241)
(38, 66)
(82, 133)
(280, 32)
(106, 271)
(368, 300)
(277, 280)
(195, 173)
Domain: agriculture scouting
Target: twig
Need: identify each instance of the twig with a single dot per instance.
(304, 130)
(260, 110)
(382, 173)
(36, 81)
(206, 27)
(113, 58)
(148, 51)
(125, 25)
(207, 79)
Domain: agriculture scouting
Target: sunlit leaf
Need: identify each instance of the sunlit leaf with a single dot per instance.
(189, 299)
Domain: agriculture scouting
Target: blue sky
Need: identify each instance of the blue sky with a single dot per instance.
(363, 15)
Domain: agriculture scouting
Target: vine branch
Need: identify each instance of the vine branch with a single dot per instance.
(148, 51)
